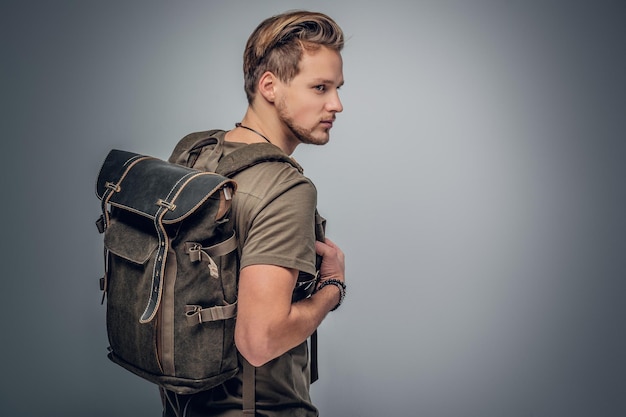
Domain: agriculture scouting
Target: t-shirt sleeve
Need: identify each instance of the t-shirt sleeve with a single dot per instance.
(281, 226)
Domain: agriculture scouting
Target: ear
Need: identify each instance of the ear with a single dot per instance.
(267, 86)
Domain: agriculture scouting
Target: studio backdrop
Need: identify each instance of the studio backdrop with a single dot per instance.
(475, 180)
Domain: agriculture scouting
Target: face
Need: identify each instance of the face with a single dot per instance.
(308, 104)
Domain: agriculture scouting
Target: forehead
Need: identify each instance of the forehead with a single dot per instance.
(321, 64)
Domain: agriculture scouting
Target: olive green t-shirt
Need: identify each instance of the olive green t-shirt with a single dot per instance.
(274, 209)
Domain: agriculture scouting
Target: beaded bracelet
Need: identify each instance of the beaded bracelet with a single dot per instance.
(338, 284)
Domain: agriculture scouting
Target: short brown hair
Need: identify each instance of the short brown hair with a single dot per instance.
(276, 45)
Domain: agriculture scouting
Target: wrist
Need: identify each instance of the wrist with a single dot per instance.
(336, 283)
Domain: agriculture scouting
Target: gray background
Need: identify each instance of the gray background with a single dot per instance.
(475, 181)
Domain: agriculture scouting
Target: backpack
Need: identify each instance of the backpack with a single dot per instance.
(171, 262)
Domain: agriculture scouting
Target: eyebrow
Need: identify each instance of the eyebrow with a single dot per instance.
(325, 81)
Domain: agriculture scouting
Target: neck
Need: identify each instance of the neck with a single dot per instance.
(253, 131)
(262, 122)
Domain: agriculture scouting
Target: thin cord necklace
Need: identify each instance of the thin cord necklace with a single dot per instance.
(252, 130)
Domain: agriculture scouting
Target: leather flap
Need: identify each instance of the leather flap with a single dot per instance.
(131, 243)
(144, 184)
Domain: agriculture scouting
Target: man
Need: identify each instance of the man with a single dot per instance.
(293, 71)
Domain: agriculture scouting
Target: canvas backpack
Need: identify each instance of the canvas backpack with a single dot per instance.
(171, 262)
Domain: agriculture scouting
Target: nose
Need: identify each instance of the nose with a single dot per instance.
(334, 104)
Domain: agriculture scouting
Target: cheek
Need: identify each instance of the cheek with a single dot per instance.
(304, 109)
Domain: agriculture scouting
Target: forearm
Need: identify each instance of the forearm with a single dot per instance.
(268, 324)
(304, 318)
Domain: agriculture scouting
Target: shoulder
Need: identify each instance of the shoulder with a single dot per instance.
(270, 182)
(274, 176)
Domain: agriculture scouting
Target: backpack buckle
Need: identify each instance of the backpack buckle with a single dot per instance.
(167, 205)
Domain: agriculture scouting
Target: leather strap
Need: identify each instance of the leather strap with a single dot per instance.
(249, 391)
(314, 368)
(194, 250)
(158, 270)
(198, 253)
(165, 205)
(198, 314)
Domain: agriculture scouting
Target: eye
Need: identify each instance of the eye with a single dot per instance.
(321, 88)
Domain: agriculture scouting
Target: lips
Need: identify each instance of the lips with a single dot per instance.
(327, 123)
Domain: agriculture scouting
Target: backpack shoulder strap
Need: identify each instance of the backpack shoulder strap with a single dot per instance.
(189, 152)
(253, 154)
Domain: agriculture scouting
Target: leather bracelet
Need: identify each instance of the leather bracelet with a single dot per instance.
(338, 284)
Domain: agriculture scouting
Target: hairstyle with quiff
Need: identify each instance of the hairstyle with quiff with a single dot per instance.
(277, 44)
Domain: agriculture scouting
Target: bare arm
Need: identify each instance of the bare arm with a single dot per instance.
(268, 324)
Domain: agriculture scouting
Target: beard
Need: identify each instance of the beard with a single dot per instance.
(303, 134)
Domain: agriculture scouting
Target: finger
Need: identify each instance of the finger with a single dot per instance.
(333, 245)
(330, 243)
(321, 248)
(328, 248)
